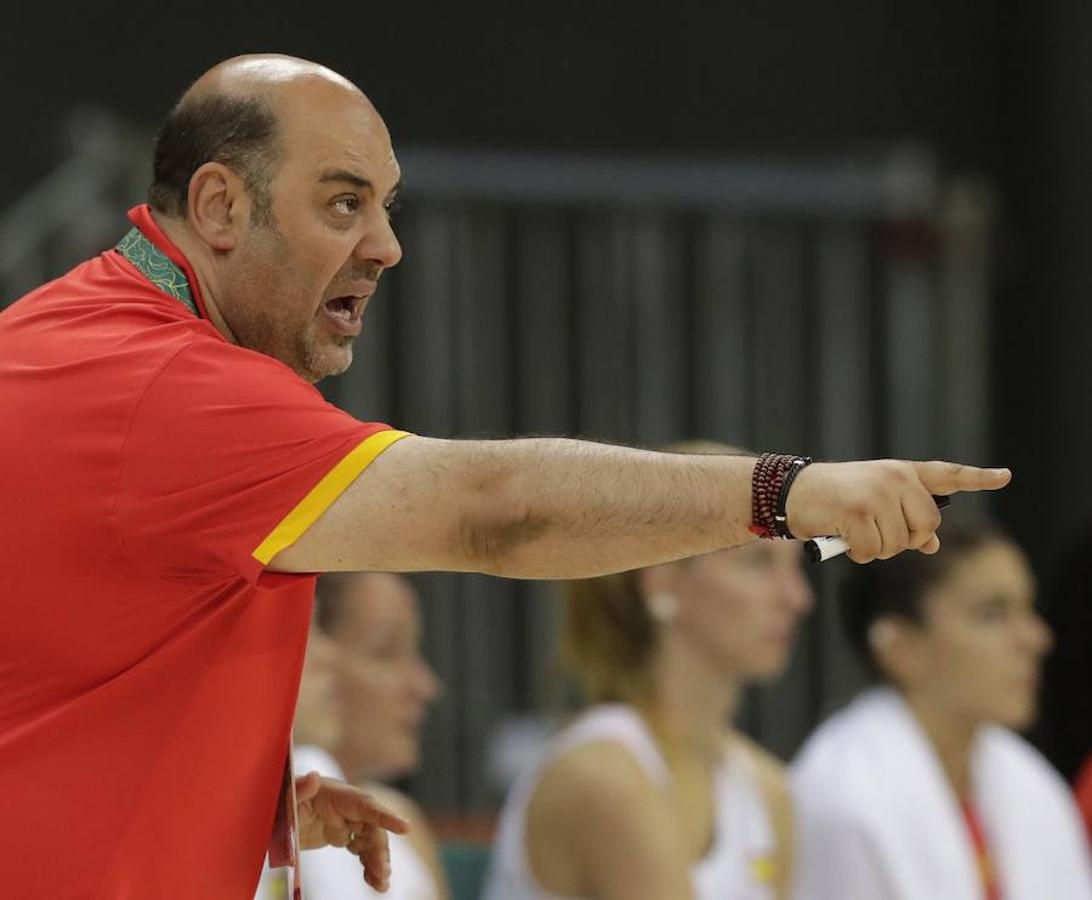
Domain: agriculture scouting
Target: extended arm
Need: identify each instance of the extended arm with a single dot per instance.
(556, 508)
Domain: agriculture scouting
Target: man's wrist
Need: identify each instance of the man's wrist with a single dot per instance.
(771, 480)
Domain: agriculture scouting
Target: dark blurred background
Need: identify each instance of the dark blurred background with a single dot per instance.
(996, 102)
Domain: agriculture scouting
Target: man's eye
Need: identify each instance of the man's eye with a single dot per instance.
(346, 205)
(392, 207)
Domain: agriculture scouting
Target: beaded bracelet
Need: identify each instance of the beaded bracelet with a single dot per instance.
(773, 475)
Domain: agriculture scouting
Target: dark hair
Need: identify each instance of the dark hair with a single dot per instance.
(608, 637)
(1065, 726)
(239, 132)
(897, 587)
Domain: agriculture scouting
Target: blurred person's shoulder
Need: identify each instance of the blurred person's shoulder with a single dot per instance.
(599, 780)
(1020, 764)
(598, 805)
(602, 762)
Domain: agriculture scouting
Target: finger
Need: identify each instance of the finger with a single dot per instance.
(922, 517)
(355, 805)
(950, 478)
(894, 533)
(387, 820)
(865, 541)
(307, 786)
(373, 850)
(931, 546)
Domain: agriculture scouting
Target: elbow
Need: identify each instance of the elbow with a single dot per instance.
(493, 542)
(498, 526)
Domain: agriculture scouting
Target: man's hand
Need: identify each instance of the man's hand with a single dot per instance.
(881, 507)
(333, 813)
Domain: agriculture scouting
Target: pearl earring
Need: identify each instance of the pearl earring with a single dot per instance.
(880, 634)
(663, 607)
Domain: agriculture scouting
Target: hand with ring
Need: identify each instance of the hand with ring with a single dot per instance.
(332, 813)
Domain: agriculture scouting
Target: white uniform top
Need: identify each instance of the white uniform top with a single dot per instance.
(333, 873)
(877, 817)
(738, 865)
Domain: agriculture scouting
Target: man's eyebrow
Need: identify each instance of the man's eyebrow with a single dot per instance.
(348, 177)
(355, 180)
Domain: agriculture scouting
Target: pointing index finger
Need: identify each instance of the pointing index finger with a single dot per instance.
(371, 813)
(355, 805)
(949, 478)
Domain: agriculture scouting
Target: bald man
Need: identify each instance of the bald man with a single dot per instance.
(171, 479)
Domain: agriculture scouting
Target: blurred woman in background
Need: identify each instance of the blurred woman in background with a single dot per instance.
(386, 688)
(918, 789)
(362, 700)
(651, 794)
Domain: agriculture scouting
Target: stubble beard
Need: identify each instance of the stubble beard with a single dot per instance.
(269, 321)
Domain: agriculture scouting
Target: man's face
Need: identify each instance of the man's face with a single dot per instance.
(297, 286)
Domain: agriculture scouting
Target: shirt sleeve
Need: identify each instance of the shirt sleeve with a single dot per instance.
(230, 457)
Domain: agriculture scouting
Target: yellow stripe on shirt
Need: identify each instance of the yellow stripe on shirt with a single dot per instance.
(319, 498)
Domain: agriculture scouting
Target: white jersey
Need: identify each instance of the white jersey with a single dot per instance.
(877, 817)
(738, 866)
(333, 873)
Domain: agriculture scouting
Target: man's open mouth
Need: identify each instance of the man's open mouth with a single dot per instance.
(347, 309)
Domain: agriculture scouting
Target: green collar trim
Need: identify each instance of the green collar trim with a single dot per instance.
(157, 267)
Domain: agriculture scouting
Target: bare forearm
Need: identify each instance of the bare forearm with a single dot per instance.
(555, 508)
(533, 508)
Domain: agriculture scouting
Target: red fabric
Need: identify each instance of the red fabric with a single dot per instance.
(1083, 791)
(148, 663)
(990, 886)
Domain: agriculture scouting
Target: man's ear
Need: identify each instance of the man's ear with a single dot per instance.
(217, 205)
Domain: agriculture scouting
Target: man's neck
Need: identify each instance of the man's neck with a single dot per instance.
(175, 229)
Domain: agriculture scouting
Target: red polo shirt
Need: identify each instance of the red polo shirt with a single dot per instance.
(149, 663)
